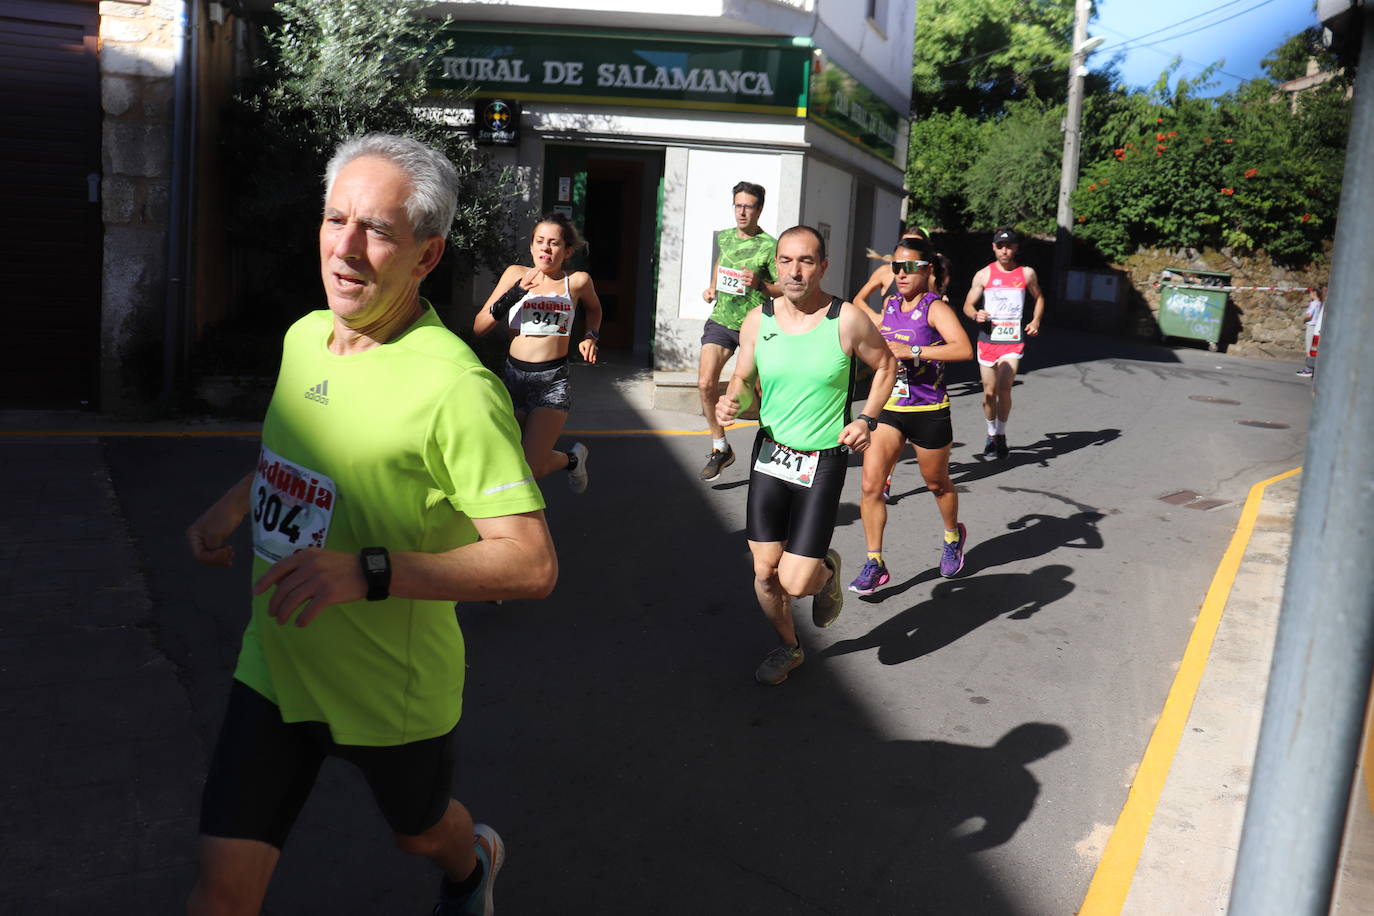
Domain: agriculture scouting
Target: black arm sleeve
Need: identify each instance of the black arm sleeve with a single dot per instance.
(501, 307)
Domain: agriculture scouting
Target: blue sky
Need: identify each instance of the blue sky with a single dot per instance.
(1257, 27)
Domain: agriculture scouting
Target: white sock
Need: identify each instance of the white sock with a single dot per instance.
(992, 427)
(720, 444)
(1001, 427)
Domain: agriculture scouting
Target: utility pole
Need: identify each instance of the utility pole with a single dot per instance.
(1068, 174)
(1324, 650)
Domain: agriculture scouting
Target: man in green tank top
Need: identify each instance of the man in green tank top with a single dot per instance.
(801, 348)
(742, 279)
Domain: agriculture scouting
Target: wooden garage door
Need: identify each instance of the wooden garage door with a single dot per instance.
(49, 182)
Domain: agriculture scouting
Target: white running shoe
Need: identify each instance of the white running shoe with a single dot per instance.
(577, 477)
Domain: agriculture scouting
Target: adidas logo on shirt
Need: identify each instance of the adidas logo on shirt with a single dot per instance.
(319, 393)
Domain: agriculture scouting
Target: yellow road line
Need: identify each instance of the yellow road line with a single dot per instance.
(1116, 869)
(210, 433)
(1368, 758)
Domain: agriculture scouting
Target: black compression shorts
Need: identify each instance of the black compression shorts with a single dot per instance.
(802, 517)
(264, 768)
(923, 428)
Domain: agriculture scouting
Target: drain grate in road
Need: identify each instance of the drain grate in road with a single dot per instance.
(1191, 499)
(1263, 424)
(1210, 399)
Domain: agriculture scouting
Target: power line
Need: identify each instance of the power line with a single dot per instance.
(1170, 56)
(975, 57)
(1215, 9)
(1202, 28)
(1127, 44)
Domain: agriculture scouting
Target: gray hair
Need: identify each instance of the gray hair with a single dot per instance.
(434, 181)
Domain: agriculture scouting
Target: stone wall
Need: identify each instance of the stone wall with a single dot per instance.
(1263, 323)
(137, 66)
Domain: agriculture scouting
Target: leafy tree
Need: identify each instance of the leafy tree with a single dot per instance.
(1248, 169)
(943, 147)
(976, 56)
(330, 71)
(1289, 60)
(1016, 179)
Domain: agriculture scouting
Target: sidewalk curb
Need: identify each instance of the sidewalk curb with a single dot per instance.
(1174, 846)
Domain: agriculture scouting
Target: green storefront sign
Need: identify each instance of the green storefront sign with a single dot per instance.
(777, 76)
(847, 107)
(763, 76)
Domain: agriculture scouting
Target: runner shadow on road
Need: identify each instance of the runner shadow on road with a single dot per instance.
(613, 732)
(910, 768)
(1035, 535)
(956, 608)
(962, 473)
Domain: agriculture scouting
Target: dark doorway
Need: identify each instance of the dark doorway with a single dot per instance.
(50, 180)
(612, 196)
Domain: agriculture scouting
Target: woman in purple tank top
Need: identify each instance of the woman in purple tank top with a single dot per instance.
(924, 334)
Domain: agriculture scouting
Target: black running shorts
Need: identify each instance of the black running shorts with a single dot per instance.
(533, 385)
(923, 428)
(264, 768)
(802, 517)
(713, 332)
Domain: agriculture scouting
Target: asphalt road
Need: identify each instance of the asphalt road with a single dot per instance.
(949, 746)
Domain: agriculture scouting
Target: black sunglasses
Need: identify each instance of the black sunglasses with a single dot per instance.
(908, 267)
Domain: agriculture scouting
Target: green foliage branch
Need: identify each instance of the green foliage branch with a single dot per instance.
(328, 72)
(1166, 165)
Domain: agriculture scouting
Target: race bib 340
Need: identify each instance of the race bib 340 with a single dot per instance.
(1006, 331)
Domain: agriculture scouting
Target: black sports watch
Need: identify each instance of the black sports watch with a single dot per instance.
(872, 423)
(376, 563)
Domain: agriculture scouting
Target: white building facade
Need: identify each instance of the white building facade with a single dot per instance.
(637, 117)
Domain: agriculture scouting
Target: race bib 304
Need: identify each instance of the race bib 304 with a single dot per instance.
(291, 507)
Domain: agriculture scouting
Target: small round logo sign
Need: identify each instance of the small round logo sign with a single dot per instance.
(497, 116)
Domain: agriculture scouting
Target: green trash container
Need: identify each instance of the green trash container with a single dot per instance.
(1188, 308)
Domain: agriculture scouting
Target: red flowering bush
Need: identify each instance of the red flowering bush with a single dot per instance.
(1272, 183)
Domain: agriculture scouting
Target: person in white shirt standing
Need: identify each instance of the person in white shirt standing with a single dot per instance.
(1313, 330)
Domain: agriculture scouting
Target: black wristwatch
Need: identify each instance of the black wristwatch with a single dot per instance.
(872, 423)
(376, 563)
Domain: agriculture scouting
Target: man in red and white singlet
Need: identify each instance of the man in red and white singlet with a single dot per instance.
(1002, 286)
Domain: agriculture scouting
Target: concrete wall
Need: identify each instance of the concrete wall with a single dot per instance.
(879, 53)
(697, 203)
(828, 200)
(137, 64)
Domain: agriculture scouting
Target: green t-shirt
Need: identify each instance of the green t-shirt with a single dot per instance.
(400, 446)
(737, 253)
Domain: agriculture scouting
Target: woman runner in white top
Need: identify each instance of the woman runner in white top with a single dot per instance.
(537, 305)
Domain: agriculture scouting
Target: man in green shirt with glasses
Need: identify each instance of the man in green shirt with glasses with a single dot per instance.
(742, 277)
